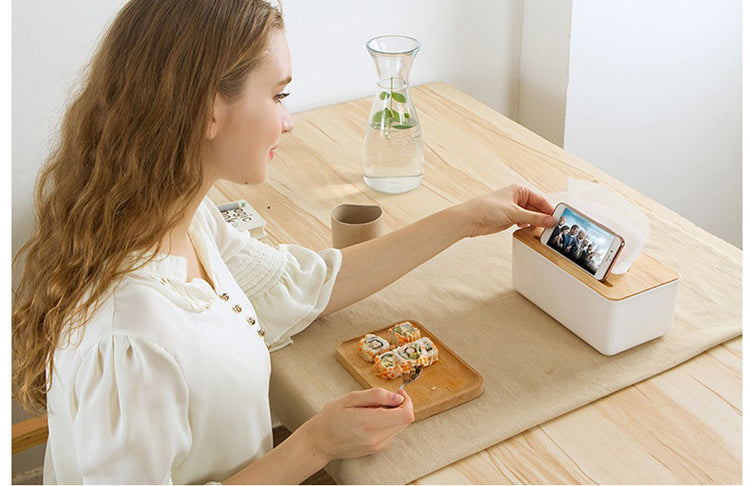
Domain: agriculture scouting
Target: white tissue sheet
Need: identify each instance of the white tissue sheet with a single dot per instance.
(611, 210)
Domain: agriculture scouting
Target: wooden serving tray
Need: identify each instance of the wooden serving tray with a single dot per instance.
(442, 385)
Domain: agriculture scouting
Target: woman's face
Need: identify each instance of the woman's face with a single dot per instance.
(244, 132)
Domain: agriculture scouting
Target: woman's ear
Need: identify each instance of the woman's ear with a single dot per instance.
(217, 110)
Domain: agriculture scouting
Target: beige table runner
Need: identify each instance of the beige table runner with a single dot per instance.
(534, 369)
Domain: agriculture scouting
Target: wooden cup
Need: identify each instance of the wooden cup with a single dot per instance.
(355, 223)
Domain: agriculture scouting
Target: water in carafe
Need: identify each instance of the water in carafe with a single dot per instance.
(393, 153)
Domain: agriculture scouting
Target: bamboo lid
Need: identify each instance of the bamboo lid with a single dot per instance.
(645, 274)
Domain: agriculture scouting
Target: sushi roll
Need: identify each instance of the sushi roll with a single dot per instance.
(430, 351)
(371, 346)
(421, 352)
(388, 365)
(409, 354)
(402, 333)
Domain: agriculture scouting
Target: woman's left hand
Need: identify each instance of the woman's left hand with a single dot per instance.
(515, 204)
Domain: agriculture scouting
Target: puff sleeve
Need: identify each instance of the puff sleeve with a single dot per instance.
(289, 286)
(131, 422)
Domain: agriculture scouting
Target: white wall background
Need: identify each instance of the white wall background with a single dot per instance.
(655, 99)
(647, 90)
(543, 70)
(471, 44)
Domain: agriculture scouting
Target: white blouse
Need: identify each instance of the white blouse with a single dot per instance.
(170, 380)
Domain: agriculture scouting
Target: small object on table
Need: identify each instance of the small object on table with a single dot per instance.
(355, 223)
(402, 333)
(392, 363)
(388, 365)
(419, 353)
(371, 345)
(244, 217)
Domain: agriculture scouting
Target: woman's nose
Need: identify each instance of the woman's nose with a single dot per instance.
(287, 124)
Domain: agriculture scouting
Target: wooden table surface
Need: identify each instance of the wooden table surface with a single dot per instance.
(681, 426)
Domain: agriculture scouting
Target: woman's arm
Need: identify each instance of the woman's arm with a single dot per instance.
(369, 266)
(358, 424)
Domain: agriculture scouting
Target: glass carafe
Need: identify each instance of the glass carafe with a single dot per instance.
(393, 150)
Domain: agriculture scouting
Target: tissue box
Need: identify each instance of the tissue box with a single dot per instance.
(611, 316)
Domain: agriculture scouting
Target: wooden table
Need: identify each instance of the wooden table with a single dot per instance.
(681, 426)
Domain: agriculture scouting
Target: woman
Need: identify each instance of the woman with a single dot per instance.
(142, 321)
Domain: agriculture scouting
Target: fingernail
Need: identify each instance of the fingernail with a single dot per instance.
(397, 398)
(549, 221)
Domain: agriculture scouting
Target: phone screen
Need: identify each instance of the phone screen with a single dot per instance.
(581, 241)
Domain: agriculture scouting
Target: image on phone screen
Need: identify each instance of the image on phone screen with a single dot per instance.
(580, 240)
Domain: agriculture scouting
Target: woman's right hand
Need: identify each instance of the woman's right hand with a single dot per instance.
(359, 423)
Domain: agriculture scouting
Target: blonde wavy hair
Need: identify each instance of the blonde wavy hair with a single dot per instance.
(127, 163)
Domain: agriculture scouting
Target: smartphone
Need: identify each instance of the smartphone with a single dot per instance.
(590, 245)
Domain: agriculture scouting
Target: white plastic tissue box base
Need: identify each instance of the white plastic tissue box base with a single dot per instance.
(610, 325)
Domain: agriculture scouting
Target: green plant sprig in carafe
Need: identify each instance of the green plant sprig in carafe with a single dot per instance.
(388, 118)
